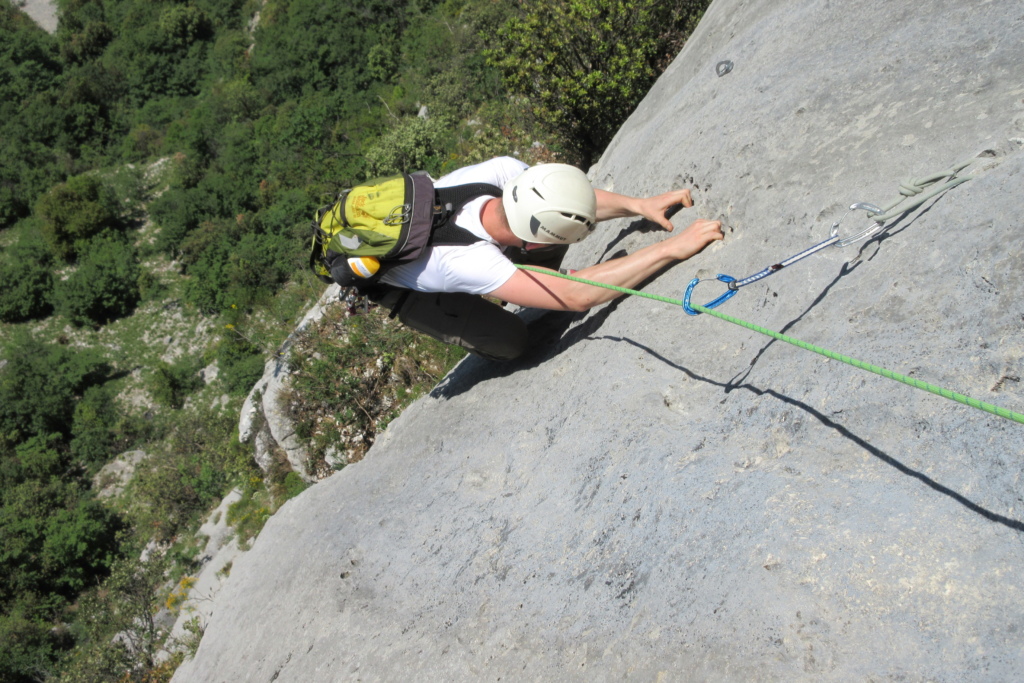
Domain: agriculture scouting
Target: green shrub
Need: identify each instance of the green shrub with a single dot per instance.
(201, 460)
(142, 142)
(115, 628)
(175, 213)
(94, 425)
(292, 486)
(171, 384)
(414, 144)
(32, 642)
(75, 211)
(241, 360)
(41, 383)
(250, 512)
(103, 287)
(26, 280)
(353, 375)
(54, 538)
(585, 64)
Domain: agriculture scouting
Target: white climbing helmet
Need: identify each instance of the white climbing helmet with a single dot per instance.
(550, 204)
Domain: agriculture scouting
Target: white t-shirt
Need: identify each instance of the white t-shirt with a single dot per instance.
(478, 268)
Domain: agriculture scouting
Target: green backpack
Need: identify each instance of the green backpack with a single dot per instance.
(385, 223)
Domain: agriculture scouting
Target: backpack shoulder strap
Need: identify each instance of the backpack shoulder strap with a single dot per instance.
(450, 201)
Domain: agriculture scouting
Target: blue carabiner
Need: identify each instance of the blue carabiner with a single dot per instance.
(712, 304)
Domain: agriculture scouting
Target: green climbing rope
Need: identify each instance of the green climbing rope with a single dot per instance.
(909, 381)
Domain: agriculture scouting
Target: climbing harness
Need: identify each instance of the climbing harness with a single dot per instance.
(909, 381)
(908, 188)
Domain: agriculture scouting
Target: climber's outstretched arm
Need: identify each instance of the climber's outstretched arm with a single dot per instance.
(536, 290)
(612, 205)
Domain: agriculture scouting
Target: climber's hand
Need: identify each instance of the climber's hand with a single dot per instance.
(693, 239)
(660, 208)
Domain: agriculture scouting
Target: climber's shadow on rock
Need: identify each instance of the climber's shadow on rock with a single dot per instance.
(840, 429)
(867, 252)
(641, 225)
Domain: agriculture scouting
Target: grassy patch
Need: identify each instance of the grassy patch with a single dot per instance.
(352, 375)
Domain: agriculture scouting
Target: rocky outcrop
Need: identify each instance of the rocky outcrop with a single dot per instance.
(214, 567)
(111, 479)
(264, 420)
(654, 496)
(43, 12)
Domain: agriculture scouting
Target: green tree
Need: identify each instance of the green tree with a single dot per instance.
(55, 539)
(305, 46)
(25, 283)
(201, 461)
(40, 385)
(75, 211)
(586, 64)
(117, 634)
(175, 213)
(414, 144)
(103, 287)
(171, 384)
(183, 25)
(32, 641)
(94, 420)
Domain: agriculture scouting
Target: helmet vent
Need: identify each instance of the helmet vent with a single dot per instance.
(578, 219)
(537, 192)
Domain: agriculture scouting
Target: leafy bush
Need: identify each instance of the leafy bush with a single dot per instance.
(307, 46)
(55, 538)
(249, 513)
(32, 642)
(240, 358)
(586, 64)
(105, 286)
(40, 386)
(25, 282)
(414, 144)
(116, 630)
(202, 458)
(171, 384)
(142, 142)
(29, 67)
(101, 428)
(75, 211)
(175, 213)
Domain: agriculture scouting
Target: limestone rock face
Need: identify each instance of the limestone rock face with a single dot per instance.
(654, 495)
(263, 419)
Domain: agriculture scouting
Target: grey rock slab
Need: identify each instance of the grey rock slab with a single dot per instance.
(652, 495)
(43, 12)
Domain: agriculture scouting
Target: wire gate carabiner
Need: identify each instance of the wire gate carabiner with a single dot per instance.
(730, 293)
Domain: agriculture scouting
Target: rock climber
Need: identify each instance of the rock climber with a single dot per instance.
(542, 210)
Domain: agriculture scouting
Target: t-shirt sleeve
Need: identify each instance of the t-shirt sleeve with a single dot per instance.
(497, 171)
(478, 269)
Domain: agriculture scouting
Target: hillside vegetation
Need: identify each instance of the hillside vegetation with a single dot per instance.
(159, 163)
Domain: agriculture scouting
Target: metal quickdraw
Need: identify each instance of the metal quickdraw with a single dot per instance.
(908, 188)
(833, 240)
